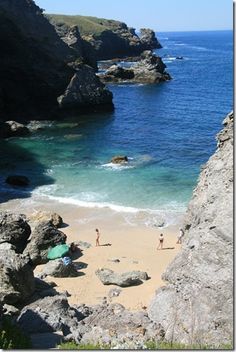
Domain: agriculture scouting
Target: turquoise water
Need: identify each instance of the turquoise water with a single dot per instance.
(167, 131)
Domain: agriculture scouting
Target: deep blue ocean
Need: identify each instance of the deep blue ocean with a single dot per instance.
(167, 130)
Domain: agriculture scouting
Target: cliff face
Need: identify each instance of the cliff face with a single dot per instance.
(34, 62)
(196, 305)
(33, 71)
(109, 38)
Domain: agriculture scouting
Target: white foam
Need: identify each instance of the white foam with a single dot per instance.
(117, 167)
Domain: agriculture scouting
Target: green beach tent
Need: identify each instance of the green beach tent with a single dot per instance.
(58, 251)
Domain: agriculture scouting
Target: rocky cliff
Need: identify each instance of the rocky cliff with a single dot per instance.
(109, 38)
(196, 305)
(34, 68)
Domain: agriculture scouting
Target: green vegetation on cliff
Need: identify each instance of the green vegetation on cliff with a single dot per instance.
(87, 25)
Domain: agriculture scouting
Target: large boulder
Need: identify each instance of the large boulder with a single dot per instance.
(12, 129)
(149, 69)
(117, 73)
(85, 90)
(114, 326)
(196, 305)
(132, 278)
(47, 217)
(17, 129)
(17, 180)
(119, 159)
(14, 230)
(42, 239)
(148, 39)
(16, 277)
(57, 268)
(49, 314)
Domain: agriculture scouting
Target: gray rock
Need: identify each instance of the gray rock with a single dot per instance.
(85, 90)
(114, 292)
(44, 73)
(49, 314)
(16, 129)
(149, 69)
(10, 310)
(196, 305)
(42, 239)
(148, 39)
(108, 277)
(14, 230)
(83, 50)
(119, 159)
(115, 326)
(47, 217)
(57, 268)
(18, 180)
(16, 278)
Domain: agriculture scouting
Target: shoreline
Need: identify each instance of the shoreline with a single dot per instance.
(133, 244)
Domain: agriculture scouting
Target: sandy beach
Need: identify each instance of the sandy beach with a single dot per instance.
(135, 245)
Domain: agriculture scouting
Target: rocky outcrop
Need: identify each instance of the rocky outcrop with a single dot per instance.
(150, 69)
(132, 278)
(57, 268)
(16, 277)
(70, 35)
(49, 314)
(85, 90)
(112, 325)
(119, 159)
(148, 39)
(17, 180)
(196, 305)
(13, 129)
(42, 239)
(31, 83)
(47, 217)
(14, 230)
(110, 38)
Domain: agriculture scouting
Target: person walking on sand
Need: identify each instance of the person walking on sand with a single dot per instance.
(161, 240)
(180, 236)
(97, 238)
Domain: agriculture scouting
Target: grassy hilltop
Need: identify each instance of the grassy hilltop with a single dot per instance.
(87, 25)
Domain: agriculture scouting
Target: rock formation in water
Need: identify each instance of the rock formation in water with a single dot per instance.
(196, 305)
(35, 64)
(109, 38)
(150, 69)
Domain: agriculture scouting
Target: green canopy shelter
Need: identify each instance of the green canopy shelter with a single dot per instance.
(58, 252)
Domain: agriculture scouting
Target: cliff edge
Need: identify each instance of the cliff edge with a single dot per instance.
(196, 305)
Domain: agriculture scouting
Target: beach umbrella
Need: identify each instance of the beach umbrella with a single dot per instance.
(58, 251)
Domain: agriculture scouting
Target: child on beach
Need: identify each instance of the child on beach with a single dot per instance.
(97, 238)
(161, 240)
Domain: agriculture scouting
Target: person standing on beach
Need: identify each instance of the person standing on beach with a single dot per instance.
(161, 240)
(181, 235)
(97, 238)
